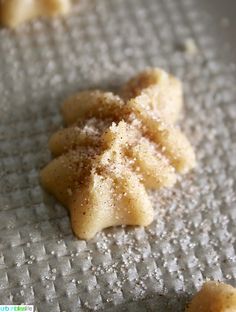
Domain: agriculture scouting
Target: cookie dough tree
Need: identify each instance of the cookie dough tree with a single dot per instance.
(112, 150)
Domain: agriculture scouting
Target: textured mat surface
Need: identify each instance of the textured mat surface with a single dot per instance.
(101, 44)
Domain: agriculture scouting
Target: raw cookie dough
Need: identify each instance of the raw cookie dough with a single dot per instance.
(214, 297)
(110, 152)
(165, 91)
(15, 12)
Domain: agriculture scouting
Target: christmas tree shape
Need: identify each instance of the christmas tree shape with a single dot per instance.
(112, 150)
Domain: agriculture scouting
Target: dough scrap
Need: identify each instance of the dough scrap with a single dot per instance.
(111, 151)
(214, 297)
(15, 12)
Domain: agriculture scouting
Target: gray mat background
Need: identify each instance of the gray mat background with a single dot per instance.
(101, 44)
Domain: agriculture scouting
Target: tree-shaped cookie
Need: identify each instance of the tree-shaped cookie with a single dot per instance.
(111, 151)
(15, 12)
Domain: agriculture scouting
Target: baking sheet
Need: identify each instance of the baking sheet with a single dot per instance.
(101, 44)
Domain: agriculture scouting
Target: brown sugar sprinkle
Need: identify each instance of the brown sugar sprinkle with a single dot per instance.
(113, 150)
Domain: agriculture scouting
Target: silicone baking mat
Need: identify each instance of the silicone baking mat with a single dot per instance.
(101, 44)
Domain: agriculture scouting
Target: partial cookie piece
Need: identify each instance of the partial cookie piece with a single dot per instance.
(15, 12)
(214, 297)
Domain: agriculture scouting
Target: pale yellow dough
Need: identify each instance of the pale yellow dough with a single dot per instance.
(214, 297)
(15, 12)
(164, 91)
(110, 152)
